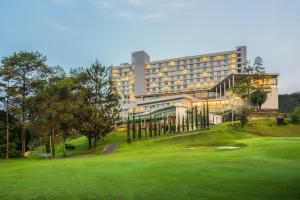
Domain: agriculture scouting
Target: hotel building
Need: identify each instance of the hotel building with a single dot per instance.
(147, 86)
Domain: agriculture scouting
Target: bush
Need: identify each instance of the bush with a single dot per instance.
(280, 120)
(295, 116)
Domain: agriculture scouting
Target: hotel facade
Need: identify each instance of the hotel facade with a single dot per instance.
(180, 83)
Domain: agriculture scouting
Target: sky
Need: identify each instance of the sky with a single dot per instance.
(74, 33)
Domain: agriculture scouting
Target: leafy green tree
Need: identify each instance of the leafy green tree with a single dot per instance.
(295, 115)
(259, 97)
(23, 69)
(258, 65)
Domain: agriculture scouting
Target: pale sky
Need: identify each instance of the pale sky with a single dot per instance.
(74, 33)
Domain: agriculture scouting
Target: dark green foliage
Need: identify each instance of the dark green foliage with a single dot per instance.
(207, 116)
(187, 121)
(204, 117)
(164, 130)
(182, 125)
(258, 97)
(150, 125)
(155, 126)
(178, 123)
(192, 118)
(288, 102)
(244, 113)
(133, 125)
(140, 128)
(201, 120)
(128, 129)
(196, 118)
(159, 128)
(170, 125)
(295, 116)
(280, 120)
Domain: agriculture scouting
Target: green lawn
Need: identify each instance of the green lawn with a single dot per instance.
(185, 166)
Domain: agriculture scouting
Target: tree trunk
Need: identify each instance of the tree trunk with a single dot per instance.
(90, 141)
(64, 147)
(95, 141)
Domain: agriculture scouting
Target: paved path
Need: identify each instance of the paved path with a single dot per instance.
(110, 148)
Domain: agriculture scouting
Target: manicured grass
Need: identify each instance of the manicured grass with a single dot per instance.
(185, 166)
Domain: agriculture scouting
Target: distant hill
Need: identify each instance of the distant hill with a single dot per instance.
(287, 102)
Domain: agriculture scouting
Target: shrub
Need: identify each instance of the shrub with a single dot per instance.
(280, 120)
(295, 116)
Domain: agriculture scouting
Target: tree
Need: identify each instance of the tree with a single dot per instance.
(155, 126)
(104, 100)
(140, 128)
(258, 65)
(178, 123)
(150, 125)
(196, 118)
(259, 97)
(187, 121)
(204, 118)
(183, 129)
(164, 130)
(295, 115)
(128, 129)
(207, 115)
(133, 125)
(23, 69)
(201, 120)
(192, 118)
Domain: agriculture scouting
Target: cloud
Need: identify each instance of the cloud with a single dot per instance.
(62, 28)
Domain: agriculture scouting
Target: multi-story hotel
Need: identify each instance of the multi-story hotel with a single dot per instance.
(185, 81)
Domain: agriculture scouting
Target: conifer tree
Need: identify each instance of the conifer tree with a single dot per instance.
(128, 129)
(187, 121)
(170, 125)
(178, 123)
(150, 126)
(155, 126)
(207, 115)
(204, 117)
(201, 120)
(164, 130)
(183, 129)
(158, 126)
(140, 127)
(174, 125)
(196, 118)
(192, 119)
(133, 125)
